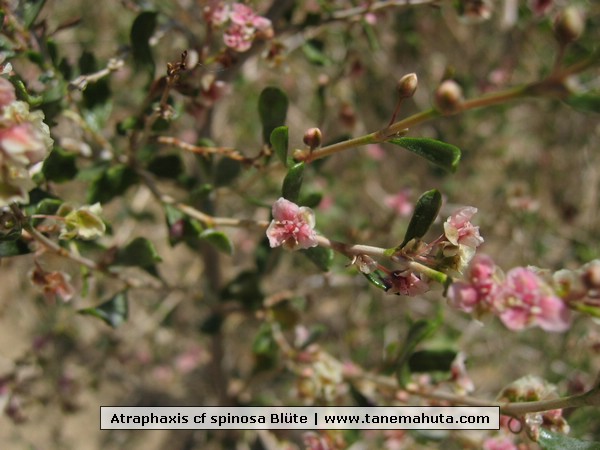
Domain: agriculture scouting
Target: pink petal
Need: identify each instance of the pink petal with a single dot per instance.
(555, 315)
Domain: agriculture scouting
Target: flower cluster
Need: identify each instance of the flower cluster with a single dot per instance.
(450, 254)
(531, 388)
(521, 298)
(244, 25)
(24, 141)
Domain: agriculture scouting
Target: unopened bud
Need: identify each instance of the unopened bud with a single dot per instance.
(591, 276)
(569, 25)
(449, 97)
(10, 227)
(312, 138)
(407, 85)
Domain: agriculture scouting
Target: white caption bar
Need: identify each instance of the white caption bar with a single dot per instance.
(300, 418)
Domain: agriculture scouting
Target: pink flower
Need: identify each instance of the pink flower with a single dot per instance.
(23, 144)
(405, 283)
(245, 27)
(292, 226)
(244, 16)
(238, 38)
(460, 231)
(479, 292)
(400, 203)
(525, 300)
(7, 92)
(217, 14)
(499, 443)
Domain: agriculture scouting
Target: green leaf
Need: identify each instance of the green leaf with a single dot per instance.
(312, 199)
(439, 153)
(13, 248)
(98, 92)
(272, 108)
(431, 360)
(138, 253)
(218, 239)
(111, 183)
(426, 210)
(212, 324)
(139, 37)
(23, 94)
(227, 171)
(264, 344)
(264, 349)
(549, 440)
(48, 206)
(293, 182)
(314, 52)
(279, 142)
(31, 10)
(418, 332)
(52, 48)
(265, 258)
(114, 311)
(322, 257)
(182, 228)
(587, 102)
(166, 166)
(59, 166)
(245, 288)
(376, 280)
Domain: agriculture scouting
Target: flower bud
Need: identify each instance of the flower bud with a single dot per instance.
(312, 138)
(407, 85)
(591, 275)
(569, 25)
(449, 97)
(10, 227)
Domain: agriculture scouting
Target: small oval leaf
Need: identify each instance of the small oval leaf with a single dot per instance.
(322, 257)
(138, 253)
(111, 183)
(426, 210)
(549, 440)
(312, 199)
(114, 311)
(218, 239)
(431, 360)
(418, 332)
(13, 248)
(139, 37)
(293, 182)
(59, 166)
(586, 102)
(439, 153)
(272, 108)
(376, 280)
(30, 10)
(279, 142)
